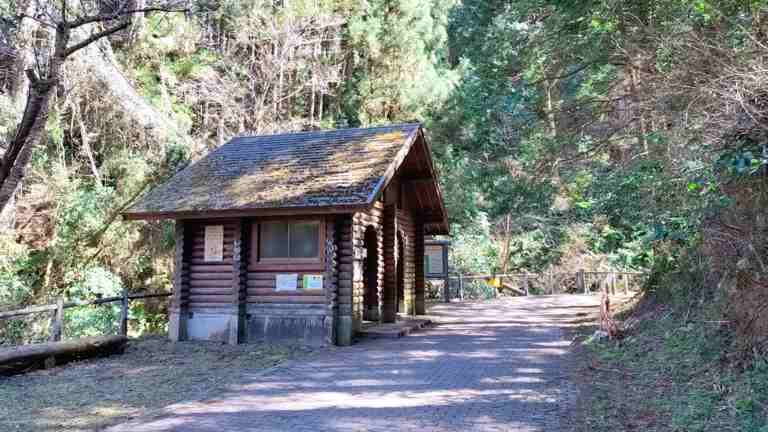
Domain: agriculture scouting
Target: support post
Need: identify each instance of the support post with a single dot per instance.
(461, 286)
(237, 317)
(625, 276)
(420, 281)
(389, 295)
(582, 281)
(331, 281)
(57, 323)
(177, 319)
(124, 313)
(446, 278)
(346, 252)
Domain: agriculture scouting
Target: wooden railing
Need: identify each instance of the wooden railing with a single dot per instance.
(586, 282)
(57, 321)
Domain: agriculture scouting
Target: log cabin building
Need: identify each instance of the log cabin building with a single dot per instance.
(300, 237)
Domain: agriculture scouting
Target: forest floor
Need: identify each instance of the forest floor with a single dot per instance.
(152, 373)
(668, 374)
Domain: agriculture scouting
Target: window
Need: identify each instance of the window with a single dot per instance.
(299, 239)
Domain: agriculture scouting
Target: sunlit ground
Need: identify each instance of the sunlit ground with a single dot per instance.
(485, 367)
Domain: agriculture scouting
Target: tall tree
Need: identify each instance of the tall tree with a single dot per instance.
(73, 25)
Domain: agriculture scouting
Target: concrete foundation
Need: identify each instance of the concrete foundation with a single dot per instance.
(210, 325)
(287, 323)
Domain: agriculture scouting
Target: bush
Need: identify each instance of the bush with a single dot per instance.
(478, 290)
(97, 319)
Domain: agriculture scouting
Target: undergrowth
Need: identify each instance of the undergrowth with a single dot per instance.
(672, 372)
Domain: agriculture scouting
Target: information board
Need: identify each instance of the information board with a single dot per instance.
(214, 243)
(286, 281)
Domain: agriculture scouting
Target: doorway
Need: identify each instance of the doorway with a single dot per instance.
(400, 293)
(371, 275)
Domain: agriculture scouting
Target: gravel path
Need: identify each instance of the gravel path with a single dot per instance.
(491, 366)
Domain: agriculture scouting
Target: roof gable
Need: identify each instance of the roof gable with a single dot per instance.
(338, 168)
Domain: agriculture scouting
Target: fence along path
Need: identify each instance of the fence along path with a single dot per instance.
(57, 321)
(586, 282)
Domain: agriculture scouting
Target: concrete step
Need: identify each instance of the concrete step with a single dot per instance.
(393, 330)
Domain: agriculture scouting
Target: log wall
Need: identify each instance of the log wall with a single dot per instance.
(346, 256)
(210, 283)
(418, 261)
(407, 228)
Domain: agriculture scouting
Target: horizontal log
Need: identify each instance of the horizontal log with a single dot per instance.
(198, 292)
(27, 357)
(210, 283)
(227, 261)
(271, 292)
(286, 299)
(287, 268)
(198, 276)
(211, 268)
(211, 298)
(193, 305)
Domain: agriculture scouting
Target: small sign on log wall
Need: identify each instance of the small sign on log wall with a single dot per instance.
(286, 281)
(313, 281)
(214, 243)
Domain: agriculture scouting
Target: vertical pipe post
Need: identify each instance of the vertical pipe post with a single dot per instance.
(446, 278)
(124, 313)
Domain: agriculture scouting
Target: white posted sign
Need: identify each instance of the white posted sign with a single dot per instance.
(286, 281)
(214, 243)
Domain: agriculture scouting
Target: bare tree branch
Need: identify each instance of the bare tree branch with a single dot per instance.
(173, 6)
(96, 36)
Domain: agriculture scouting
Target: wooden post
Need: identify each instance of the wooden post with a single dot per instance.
(57, 323)
(583, 281)
(551, 282)
(447, 287)
(237, 288)
(626, 283)
(124, 313)
(177, 311)
(461, 286)
(525, 284)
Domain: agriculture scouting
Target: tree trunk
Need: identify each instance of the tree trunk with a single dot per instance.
(29, 133)
(32, 125)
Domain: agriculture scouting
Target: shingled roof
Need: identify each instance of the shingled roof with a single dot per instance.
(320, 169)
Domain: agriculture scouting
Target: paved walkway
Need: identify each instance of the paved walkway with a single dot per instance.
(493, 366)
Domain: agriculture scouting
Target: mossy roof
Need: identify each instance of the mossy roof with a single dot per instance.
(343, 167)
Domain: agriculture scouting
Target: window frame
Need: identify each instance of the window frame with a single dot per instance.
(257, 259)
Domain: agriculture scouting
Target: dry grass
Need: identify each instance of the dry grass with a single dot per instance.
(150, 375)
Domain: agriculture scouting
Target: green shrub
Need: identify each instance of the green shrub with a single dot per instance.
(97, 319)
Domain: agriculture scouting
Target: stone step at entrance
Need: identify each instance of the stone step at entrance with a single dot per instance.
(402, 327)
